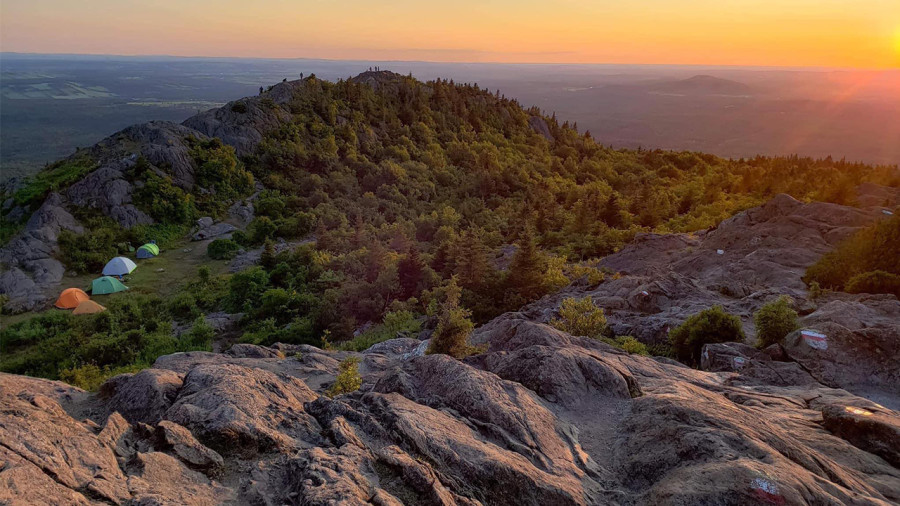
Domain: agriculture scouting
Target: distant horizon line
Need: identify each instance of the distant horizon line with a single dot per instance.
(444, 62)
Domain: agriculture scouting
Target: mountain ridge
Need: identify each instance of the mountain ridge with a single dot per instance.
(533, 414)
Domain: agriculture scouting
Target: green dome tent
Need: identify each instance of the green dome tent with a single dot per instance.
(107, 284)
(148, 250)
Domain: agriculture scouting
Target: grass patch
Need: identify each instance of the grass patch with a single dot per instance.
(55, 177)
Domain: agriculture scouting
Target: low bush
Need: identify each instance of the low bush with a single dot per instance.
(774, 321)
(632, 345)
(875, 282)
(712, 325)
(581, 317)
(223, 249)
(130, 335)
(874, 248)
(348, 378)
(395, 324)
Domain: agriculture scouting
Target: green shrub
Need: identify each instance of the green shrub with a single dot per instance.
(200, 337)
(239, 107)
(815, 290)
(875, 282)
(394, 323)
(102, 240)
(874, 248)
(240, 237)
(774, 321)
(55, 177)
(632, 345)
(183, 306)
(245, 289)
(261, 229)
(712, 325)
(581, 317)
(218, 169)
(164, 201)
(222, 249)
(451, 336)
(88, 377)
(348, 378)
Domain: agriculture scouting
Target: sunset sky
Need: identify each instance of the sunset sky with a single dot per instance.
(836, 33)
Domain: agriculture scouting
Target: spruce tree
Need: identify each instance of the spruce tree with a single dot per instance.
(528, 267)
(451, 336)
(410, 272)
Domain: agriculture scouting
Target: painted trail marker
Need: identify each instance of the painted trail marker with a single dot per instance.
(766, 491)
(815, 339)
(739, 362)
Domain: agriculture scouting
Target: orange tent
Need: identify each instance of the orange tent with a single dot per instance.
(70, 298)
(88, 307)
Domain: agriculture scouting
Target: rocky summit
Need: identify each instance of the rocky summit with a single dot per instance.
(538, 416)
(541, 417)
(531, 411)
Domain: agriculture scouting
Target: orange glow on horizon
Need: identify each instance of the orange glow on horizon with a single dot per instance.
(830, 33)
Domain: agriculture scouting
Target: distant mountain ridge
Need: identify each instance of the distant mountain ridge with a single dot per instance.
(703, 85)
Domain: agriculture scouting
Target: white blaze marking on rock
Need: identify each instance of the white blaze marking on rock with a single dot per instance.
(815, 339)
(766, 490)
(885, 211)
(739, 362)
(720, 252)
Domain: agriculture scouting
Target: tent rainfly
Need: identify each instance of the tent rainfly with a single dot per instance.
(70, 298)
(88, 307)
(119, 266)
(107, 284)
(148, 250)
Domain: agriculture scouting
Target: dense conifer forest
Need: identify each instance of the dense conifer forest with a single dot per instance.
(430, 199)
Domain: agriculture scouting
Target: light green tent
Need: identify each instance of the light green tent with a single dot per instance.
(107, 284)
(148, 250)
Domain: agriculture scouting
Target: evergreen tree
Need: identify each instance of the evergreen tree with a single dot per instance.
(471, 260)
(376, 259)
(410, 272)
(612, 212)
(451, 335)
(267, 259)
(527, 271)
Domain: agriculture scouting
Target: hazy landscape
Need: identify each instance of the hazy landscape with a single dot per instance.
(450, 253)
(51, 104)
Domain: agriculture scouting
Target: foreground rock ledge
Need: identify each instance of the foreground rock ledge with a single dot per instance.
(542, 418)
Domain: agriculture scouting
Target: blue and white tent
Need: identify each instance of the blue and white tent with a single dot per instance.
(119, 266)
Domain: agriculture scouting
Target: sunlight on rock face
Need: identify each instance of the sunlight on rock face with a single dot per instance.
(858, 411)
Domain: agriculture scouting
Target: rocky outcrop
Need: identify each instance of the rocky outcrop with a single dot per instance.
(230, 406)
(249, 258)
(207, 229)
(242, 123)
(29, 257)
(538, 124)
(108, 190)
(538, 417)
(841, 335)
(741, 264)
